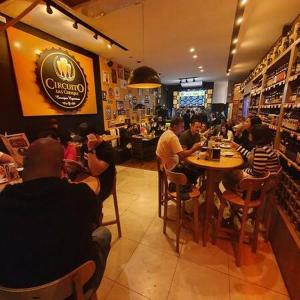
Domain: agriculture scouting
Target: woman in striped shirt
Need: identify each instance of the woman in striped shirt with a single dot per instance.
(262, 158)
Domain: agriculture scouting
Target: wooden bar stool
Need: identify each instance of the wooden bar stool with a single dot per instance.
(270, 201)
(248, 187)
(60, 289)
(117, 219)
(179, 180)
(161, 193)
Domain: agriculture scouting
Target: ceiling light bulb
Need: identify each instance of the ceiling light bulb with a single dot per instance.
(229, 70)
(200, 67)
(243, 2)
(192, 49)
(109, 45)
(195, 56)
(233, 51)
(96, 36)
(49, 9)
(201, 70)
(239, 20)
(235, 41)
(227, 74)
(17, 44)
(75, 25)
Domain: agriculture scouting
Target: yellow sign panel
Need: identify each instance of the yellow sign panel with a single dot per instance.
(51, 80)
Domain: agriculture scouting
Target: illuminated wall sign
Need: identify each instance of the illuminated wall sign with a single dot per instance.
(62, 79)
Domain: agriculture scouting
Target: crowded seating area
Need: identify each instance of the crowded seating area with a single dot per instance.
(123, 181)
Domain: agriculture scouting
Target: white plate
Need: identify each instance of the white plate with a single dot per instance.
(225, 146)
(228, 154)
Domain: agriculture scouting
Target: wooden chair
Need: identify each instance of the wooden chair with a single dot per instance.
(179, 180)
(60, 289)
(161, 193)
(248, 187)
(270, 202)
(117, 219)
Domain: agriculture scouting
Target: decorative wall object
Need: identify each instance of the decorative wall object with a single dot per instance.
(105, 77)
(114, 77)
(104, 95)
(123, 84)
(117, 93)
(120, 72)
(126, 74)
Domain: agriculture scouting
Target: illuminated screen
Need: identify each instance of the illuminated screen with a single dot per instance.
(192, 98)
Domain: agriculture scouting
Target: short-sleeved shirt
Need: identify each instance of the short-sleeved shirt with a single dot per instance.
(187, 139)
(167, 148)
(105, 152)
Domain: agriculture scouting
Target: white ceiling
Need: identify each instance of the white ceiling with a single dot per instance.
(171, 28)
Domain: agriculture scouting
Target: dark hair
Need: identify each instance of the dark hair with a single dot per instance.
(261, 135)
(176, 121)
(255, 120)
(194, 119)
(225, 135)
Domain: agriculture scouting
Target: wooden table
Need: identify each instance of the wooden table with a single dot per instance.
(92, 182)
(212, 167)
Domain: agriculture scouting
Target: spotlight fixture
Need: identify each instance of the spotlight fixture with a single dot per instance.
(228, 73)
(235, 41)
(229, 70)
(75, 25)
(243, 2)
(192, 49)
(201, 70)
(195, 56)
(200, 67)
(49, 9)
(233, 51)
(109, 45)
(239, 20)
(96, 36)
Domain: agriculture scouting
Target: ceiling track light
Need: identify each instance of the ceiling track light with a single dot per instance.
(96, 36)
(49, 9)
(75, 25)
(239, 20)
(243, 2)
(109, 45)
(233, 51)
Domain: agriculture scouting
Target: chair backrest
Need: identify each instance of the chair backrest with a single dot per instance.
(60, 289)
(254, 184)
(159, 164)
(177, 178)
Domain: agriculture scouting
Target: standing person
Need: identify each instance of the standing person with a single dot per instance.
(191, 136)
(171, 152)
(99, 158)
(47, 223)
(186, 119)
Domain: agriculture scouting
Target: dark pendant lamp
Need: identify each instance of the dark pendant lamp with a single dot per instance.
(144, 77)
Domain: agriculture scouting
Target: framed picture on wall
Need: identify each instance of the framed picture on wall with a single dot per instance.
(120, 72)
(105, 77)
(126, 74)
(107, 113)
(16, 145)
(104, 95)
(114, 77)
(123, 84)
(117, 92)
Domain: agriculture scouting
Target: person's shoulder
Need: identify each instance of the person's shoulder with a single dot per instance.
(79, 189)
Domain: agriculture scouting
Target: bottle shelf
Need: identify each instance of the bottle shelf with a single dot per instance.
(271, 126)
(294, 77)
(292, 132)
(292, 105)
(275, 105)
(273, 86)
(290, 162)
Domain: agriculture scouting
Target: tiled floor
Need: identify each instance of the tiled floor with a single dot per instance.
(144, 265)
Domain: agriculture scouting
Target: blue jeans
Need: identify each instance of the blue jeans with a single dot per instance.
(102, 238)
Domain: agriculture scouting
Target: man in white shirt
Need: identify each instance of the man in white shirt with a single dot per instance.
(171, 152)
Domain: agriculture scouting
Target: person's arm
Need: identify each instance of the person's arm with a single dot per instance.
(230, 135)
(245, 153)
(96, 165)
(5, 158)
(260, 158)
(185, 153)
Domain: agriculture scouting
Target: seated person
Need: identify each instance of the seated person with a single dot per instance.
(225, 133)
(5, 158)
(191, 136)
(205, 130)
(99, 157)
(46, 223)
(171, 152)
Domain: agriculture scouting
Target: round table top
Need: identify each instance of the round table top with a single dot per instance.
(223, 164)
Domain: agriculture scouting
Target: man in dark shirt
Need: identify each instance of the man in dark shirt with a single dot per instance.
(191, 136)
(46, 223)
(100, 159)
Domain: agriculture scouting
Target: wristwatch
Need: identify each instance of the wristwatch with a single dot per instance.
(92, 151)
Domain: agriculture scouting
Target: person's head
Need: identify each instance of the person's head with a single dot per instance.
(43, 158)
(195, 126)
(187, 111)
(224, 128)
(204, 127)
(255, 120)
(177, 125)
(53, 123)
(261, 135)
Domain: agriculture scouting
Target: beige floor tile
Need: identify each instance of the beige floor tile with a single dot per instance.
(192, 281)
(260, 268)
(124, 201)
(119, 256)
(149, 272)
(214, 257)
(241, 290)
(155, 238)
(134, 226)
(119, 292)
(104, 289)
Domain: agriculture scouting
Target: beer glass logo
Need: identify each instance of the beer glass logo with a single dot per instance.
(64, 68)
(62, 79)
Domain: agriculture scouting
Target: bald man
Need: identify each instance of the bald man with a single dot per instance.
(46, 223)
